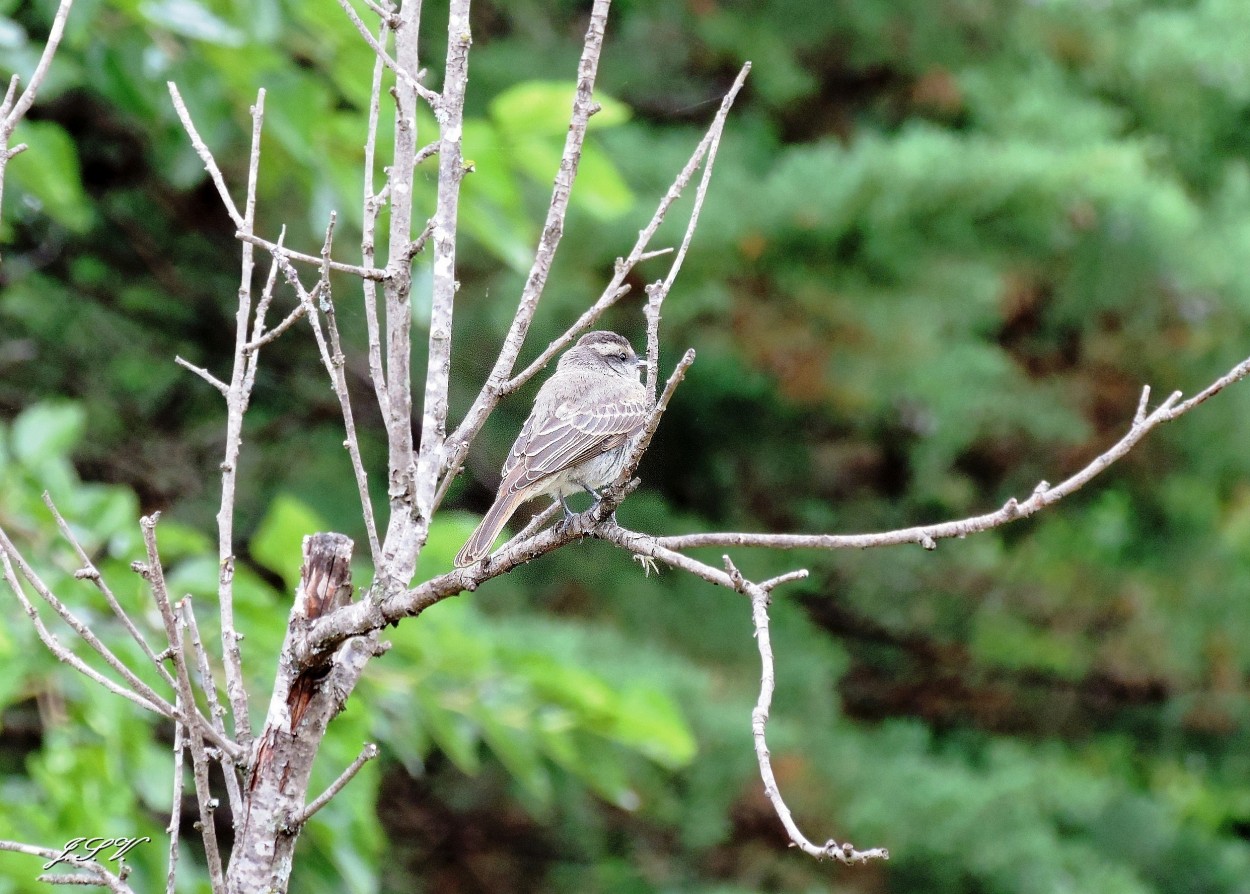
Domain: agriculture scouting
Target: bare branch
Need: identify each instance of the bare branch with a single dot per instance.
(259, 337)
(451, 172)
(206, 156)
(845, 852)
(10, 95)
(553, 229)
(401, 542)
(381, 12)
(175, 810)
(368, 753)
(429, 150)
(334, 362)
(155, 575)
(140, 692)
(401, 73)
(927, 535)
(204, 374)
(367, 272)
(368, 230)
(653, 421)
(276, 332)
(612, 292)
(14, 110)
(238, 395)
(215, 710)
(92, 573)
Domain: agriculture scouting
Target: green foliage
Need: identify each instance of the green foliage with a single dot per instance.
(945, 245)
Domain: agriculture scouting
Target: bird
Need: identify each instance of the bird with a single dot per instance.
(585, 420)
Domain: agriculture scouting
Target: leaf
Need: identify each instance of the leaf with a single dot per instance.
(543, 108)
(650, 722)
(454, 733)
(47, 430)
(49, 174)
(448, 532)
(278, 540)
(191, 20)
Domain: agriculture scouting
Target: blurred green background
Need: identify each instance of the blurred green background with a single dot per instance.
(947, 242)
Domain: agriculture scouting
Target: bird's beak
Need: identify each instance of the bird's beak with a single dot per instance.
(641, 363)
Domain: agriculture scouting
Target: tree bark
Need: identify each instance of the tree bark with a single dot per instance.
(304, 700)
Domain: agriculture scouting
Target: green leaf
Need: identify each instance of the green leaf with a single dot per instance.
(48, 173)
(191, 20)
(277, 543)
(448, 532)
(650, 722)
(543, 108)
(454, 733)
(47, 430)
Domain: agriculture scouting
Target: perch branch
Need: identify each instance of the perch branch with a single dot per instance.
(1043, 495)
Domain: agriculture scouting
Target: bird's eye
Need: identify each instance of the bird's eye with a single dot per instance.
(623, 355)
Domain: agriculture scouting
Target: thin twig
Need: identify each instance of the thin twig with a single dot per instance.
(401, 73)
(655, 300)
(611, 293)
(154, 573)
(14, 110)
(368, 230)
(1043, 495)
(206, 156)
(147, 696)
(93, 574)
(215, 711)
(10, 95)
(429, 150)
(380, 11)
(584, 107)
(175, 810)
(845, 852)
(367, 272)
(334, 363)
(653, 420)
(97, 876)
(276, 332)
(368, 753)
(238, 395)
(259, 336)
(204, 374)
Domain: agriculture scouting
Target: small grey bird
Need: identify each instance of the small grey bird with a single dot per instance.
(586, 418)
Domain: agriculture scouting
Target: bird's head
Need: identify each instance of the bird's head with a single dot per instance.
(605, 350)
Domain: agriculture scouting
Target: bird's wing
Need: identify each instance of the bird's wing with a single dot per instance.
(570, 434)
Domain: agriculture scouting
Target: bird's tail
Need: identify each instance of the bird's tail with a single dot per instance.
(478, 545)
